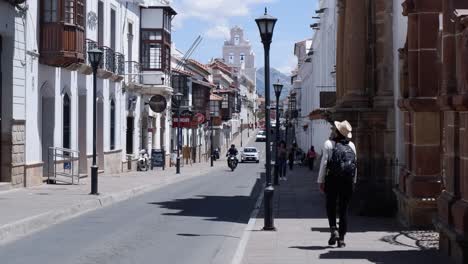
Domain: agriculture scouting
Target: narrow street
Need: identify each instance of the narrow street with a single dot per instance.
(200, 220)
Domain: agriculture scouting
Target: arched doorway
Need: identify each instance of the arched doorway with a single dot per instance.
(47, 123)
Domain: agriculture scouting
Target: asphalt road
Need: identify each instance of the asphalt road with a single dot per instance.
(200, 220)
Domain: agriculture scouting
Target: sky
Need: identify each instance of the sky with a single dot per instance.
(212, 19)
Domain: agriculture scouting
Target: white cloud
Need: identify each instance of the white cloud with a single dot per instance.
(289, 65)
(218, 32)
(215, 12)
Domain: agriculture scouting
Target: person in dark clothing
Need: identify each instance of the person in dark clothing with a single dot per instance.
(337, 176)
(282, 157)
(232, 152)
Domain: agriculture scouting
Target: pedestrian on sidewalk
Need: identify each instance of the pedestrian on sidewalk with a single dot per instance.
(337, 177)
(282, 157)
(311, 157)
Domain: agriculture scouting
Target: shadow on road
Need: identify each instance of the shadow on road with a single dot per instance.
(235, 209)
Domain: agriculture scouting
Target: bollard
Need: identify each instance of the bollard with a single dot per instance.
(268, 200)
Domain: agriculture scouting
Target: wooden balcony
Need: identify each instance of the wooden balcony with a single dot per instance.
(61, 44)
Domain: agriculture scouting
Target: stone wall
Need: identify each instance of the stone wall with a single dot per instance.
(452, 220)
(33, 174)
(17, 153)
(365, 97)
(420, 182)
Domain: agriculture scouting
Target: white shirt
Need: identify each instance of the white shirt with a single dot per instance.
(327, 153)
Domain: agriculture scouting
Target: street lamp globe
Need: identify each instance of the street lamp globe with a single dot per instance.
(266, 25)
(95, 56)
(178, 97)
(278, 87)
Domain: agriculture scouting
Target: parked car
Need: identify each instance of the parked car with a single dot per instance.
(261, 136)
(250, 154)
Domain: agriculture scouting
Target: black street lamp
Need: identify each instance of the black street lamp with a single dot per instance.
(95, 56)
(241, 129)
(266, 25)
(248, 124)
(178, 98)
(278, 87)
(211, 138)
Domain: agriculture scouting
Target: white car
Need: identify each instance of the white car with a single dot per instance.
(261, 136)
(250, 154)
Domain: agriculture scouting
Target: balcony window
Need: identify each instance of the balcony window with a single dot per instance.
(179, 84)
(214, 107)
(153, 56)
(62, 32)
(50, 11)
(70, 11)
(225, 103)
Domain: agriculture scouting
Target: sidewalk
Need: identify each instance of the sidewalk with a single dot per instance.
(27, 210)
(302, 232)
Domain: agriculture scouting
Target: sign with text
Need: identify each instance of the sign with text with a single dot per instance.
(158, 158)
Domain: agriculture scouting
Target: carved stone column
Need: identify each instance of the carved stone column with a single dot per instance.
(353, 65)
(373, 126)
(339, 49)
(452, 221)
(421, 178)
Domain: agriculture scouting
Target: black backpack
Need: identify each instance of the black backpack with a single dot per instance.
(342, 165)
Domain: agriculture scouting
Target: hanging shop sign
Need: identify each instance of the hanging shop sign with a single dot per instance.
(158, 103)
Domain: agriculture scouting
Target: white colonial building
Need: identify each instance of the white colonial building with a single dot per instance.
(314, 80)
(47, 85)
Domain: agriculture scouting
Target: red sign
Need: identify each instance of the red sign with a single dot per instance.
(199, 118)
(184, 121)
(187, 121)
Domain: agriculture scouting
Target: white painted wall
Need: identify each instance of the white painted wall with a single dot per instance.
(151, 18)
(316, 77)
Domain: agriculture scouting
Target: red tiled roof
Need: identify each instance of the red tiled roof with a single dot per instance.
(183, 72)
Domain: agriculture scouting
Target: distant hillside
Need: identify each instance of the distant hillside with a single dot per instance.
(275, 75)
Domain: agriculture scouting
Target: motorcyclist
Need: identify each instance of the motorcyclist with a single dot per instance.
(232, 152)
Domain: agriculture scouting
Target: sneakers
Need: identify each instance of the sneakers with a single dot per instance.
(333, 238)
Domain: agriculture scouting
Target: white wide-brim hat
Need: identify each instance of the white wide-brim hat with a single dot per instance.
(344, 128)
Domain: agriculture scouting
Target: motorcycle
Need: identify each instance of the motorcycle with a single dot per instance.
(216, 154)
(232, 162)
(143, 161)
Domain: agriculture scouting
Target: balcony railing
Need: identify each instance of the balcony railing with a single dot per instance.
(108, 59)
(119, 64)
(133, 72)
(111, 61)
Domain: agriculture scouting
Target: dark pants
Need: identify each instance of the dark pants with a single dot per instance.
(282, 167)
(291, 163)
(338, 194)
(311, 163)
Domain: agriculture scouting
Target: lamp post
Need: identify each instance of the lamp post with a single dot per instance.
(241, 129)
(95, 56)
(278, 87)
(211, 138)
(266, 25)
(178, 98)
(248, 125)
